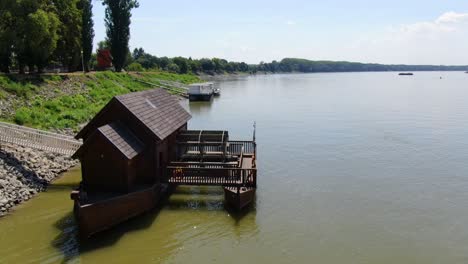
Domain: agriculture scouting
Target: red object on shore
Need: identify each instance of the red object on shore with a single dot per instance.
(104, 59)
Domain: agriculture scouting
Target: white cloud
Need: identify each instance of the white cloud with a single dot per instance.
(447, 22)
(452, 17)
(290, 23)
(440, 41)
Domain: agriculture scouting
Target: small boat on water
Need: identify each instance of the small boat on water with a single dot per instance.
(201, 91)
(216, 92)
(406, 73)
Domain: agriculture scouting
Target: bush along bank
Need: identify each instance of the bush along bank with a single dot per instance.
(24, 172)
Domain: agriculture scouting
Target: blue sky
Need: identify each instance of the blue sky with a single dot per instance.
(409, 32)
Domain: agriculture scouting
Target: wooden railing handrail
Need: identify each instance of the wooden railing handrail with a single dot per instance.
(241, 158)
(41, 132)
(38, 139)
(213, 169)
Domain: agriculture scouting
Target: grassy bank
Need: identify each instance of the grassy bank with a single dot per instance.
(69, 100)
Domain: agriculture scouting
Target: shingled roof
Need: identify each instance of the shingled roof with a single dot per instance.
(157, 109)
(119, 136)
(122, 138)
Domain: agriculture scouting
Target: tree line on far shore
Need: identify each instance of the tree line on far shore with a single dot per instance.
(309, 66)
(40, 34)
(142, 61)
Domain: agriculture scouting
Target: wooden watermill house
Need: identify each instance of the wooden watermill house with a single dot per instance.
(138, 145)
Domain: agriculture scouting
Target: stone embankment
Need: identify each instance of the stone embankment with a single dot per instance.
(24, 172)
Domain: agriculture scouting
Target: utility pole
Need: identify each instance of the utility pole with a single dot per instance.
(82, 62)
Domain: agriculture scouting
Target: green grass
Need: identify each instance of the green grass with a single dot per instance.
(3, 95)
(183, 78)
(22, 88)
(69, 111)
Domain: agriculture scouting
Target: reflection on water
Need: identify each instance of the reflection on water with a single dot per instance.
(353, 168)
(199, 107)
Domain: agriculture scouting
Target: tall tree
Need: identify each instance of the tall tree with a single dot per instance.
(7, 33)
(36, 33)
(138, 53)
(42, 28)
(118, 14)
(69, 44)
(103, 44)
(87, 31)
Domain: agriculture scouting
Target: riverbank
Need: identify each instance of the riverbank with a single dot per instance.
(24, 172)
(63, 102)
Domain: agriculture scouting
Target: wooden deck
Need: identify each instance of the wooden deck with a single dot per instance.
(237, 171)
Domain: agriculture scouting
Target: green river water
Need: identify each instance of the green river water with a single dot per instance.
(353, 168)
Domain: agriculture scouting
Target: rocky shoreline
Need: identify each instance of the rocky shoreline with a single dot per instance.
(24, 172)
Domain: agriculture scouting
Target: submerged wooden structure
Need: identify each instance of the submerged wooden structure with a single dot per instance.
(138, 146)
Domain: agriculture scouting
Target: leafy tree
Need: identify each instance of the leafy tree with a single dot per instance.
(87, 31)
(219, 64)
(70, 31)
(207, 65)
(35, 33)
(172, 67)
(182, 63)
(138, 53)
(135, 66)
(243, 67)
(163, 63)
(148, 61)
(93, 61)
(103, 44)
(195, 65)
(7, 33)
(118, 14)
(43, 27)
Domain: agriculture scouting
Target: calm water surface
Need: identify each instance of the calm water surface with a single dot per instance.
(353, 168)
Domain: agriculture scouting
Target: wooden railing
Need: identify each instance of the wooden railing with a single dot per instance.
(38, 139)
(178, 90)
(211, 176)
(235, 147)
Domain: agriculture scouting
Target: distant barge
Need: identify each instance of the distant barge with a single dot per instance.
(406, 73)
(202, 91)
(138, 147)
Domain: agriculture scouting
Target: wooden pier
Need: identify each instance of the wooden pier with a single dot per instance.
(208, 158)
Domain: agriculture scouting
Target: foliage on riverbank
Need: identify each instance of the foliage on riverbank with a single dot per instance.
(67, 101)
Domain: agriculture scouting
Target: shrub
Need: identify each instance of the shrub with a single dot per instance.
(135, 66)
(20, 89)
(22, 116)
